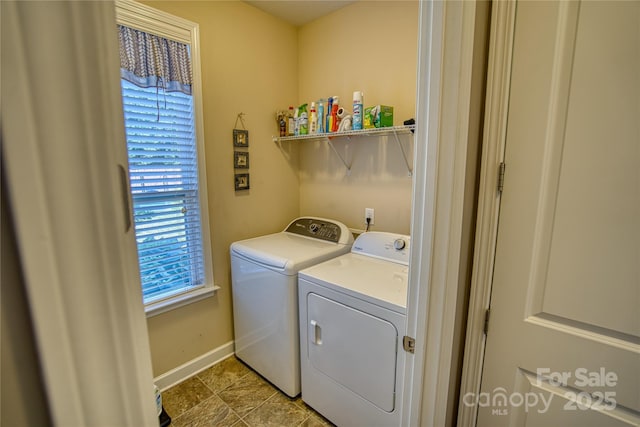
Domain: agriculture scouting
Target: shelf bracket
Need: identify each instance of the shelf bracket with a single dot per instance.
(339, 156)
(404, 155)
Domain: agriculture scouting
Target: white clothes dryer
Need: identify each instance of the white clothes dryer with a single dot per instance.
(352, 317)
(264, 277)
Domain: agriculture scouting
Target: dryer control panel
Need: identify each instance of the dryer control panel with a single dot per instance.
(319, 228)
(388, 246)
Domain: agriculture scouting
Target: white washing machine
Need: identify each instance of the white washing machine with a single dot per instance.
(352, 320)
(264, 276)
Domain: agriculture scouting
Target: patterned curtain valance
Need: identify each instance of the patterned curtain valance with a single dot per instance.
(147, 60)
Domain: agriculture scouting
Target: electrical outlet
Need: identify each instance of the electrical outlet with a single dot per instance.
(368, 213)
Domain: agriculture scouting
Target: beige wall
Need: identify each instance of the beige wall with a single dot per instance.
(256, 64)
(369, 46)
(248, 65)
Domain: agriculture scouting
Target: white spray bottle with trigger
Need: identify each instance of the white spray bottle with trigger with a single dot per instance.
(296, 122)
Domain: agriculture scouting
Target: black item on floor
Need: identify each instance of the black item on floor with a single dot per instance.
(165, 419)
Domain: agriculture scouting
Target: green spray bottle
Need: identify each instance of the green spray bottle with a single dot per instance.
(304, 119)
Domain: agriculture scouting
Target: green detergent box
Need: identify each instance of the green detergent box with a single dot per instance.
(379, 116)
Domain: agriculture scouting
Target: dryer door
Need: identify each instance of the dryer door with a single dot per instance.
(354, 348)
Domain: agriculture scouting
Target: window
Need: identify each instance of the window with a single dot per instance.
(166, 167)
(163, 171)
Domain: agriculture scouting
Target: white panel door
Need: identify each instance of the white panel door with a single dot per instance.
(353, 348)
(563, 346)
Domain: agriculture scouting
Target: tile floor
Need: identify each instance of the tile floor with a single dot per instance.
(232, 394)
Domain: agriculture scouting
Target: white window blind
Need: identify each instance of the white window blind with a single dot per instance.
(163, 169)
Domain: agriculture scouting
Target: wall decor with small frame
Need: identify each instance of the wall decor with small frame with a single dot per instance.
(242, 181)
(241, 160)
(240, 138)
(241, 155)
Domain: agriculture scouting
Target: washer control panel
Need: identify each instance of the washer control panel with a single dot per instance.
(317, 228)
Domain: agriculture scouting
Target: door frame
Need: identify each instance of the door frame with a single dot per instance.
(495, 128)
(447, 38)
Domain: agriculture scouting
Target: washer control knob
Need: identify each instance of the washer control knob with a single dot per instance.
(399, 244)
(314, 227)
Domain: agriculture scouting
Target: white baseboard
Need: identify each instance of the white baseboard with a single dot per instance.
(192, 367)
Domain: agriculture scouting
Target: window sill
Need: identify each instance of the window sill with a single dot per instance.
(181, 300)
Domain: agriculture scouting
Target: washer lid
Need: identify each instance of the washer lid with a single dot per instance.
(375, 280)
(287, 252)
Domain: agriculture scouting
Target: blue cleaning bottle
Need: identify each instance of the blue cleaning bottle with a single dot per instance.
(321, 116)
(327, 127)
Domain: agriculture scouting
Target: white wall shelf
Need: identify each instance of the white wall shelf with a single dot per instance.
(392, 130)
(364, 132)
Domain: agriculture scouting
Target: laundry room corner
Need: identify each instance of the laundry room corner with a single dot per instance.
(384, 68)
